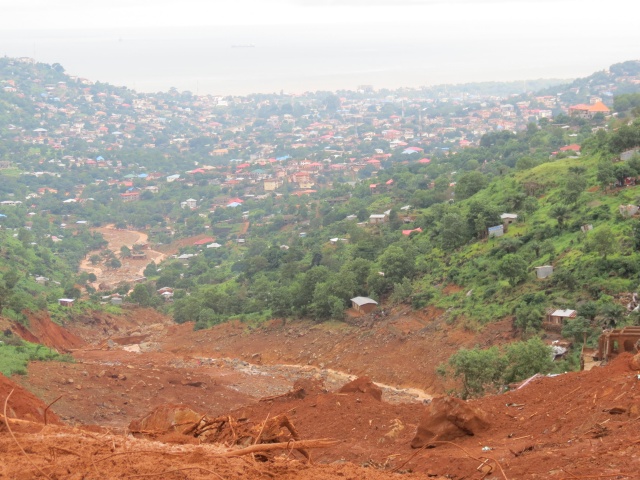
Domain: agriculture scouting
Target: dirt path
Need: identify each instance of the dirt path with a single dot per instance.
(131, 268)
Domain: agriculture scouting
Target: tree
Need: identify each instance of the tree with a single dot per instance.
(125, 252)
(560, 212)
(577, 328)
(11, 278)
(573, 188)
(469, 184)
(142, 295)
(529, 317)
(397, 263)
(114, 263)
(332, 103)
(402, 291)
(602, 241)
(525, 359)
(453, 231)
(151, 270)
(514, 268)
(95, 259)
(479, 369)
(606, 175)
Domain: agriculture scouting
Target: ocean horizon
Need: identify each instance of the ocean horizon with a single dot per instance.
(243, 60)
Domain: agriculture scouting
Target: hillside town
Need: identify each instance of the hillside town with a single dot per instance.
(264, 143)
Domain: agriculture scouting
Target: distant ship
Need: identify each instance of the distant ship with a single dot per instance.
(243, 45)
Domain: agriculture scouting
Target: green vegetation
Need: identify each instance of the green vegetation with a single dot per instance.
(15, 354)
(492, 369)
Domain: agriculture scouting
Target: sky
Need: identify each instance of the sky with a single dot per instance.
(469, 16)
(511, 39)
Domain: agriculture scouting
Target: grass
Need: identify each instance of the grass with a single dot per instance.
(15, 355)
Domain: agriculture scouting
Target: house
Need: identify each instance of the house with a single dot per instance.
(334, 241)
(130, 196)
(508, 218)
(204, 241)
(377, 218)
(628, 210)
(588, 111)
(363, 304)
(409, 232)
(616, 341)
(272, 184)
(574, 147)
(556, 318)
(66, 302)
(496, 231)
(544, 271)
(189, 203)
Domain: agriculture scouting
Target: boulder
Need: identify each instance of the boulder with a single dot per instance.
(166, 419)
(448, 418)
(634, 363)
(363, 385)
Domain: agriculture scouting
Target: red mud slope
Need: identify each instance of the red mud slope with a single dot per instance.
(22, 404)
(42, 330)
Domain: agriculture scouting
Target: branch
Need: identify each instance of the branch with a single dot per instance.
(6, 400)
(265, 447)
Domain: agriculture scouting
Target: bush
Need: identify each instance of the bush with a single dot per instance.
(15, 354)
(489, 369)
(421, 300)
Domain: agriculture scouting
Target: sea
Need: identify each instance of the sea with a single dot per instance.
(300, 58)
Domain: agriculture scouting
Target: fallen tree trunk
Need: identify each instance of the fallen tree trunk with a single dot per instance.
(299, 445)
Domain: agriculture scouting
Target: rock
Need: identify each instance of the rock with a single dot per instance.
(448, 418)
(634, 363)
(166, 419)
(309, 385)
(122, 377)
(363, 385)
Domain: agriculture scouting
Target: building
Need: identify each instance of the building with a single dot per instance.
(496, 231)
(130, 196)
(191, 203)
(544, 271)
(363, 304)
(66, 302)
(613, 342)
(556, 318)
(377, 218)
(508, 218)
(588, 111)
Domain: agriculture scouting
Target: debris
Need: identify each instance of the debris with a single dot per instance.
(447, 418)
(363, 385)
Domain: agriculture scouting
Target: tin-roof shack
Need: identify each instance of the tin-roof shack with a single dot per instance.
(363, 304)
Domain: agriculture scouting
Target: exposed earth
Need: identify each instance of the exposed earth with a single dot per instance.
(145, 397)
(576, 425)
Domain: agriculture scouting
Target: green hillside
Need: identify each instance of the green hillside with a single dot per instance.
(593, 271)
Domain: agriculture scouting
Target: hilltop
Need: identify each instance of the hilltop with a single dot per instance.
(189, 264)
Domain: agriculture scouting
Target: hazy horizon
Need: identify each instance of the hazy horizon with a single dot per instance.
(293, 59)
(308, 45)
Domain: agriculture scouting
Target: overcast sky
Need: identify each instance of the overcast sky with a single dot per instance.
(477, 16)
(418, 41)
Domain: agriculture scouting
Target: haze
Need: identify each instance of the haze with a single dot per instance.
(319, 44)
